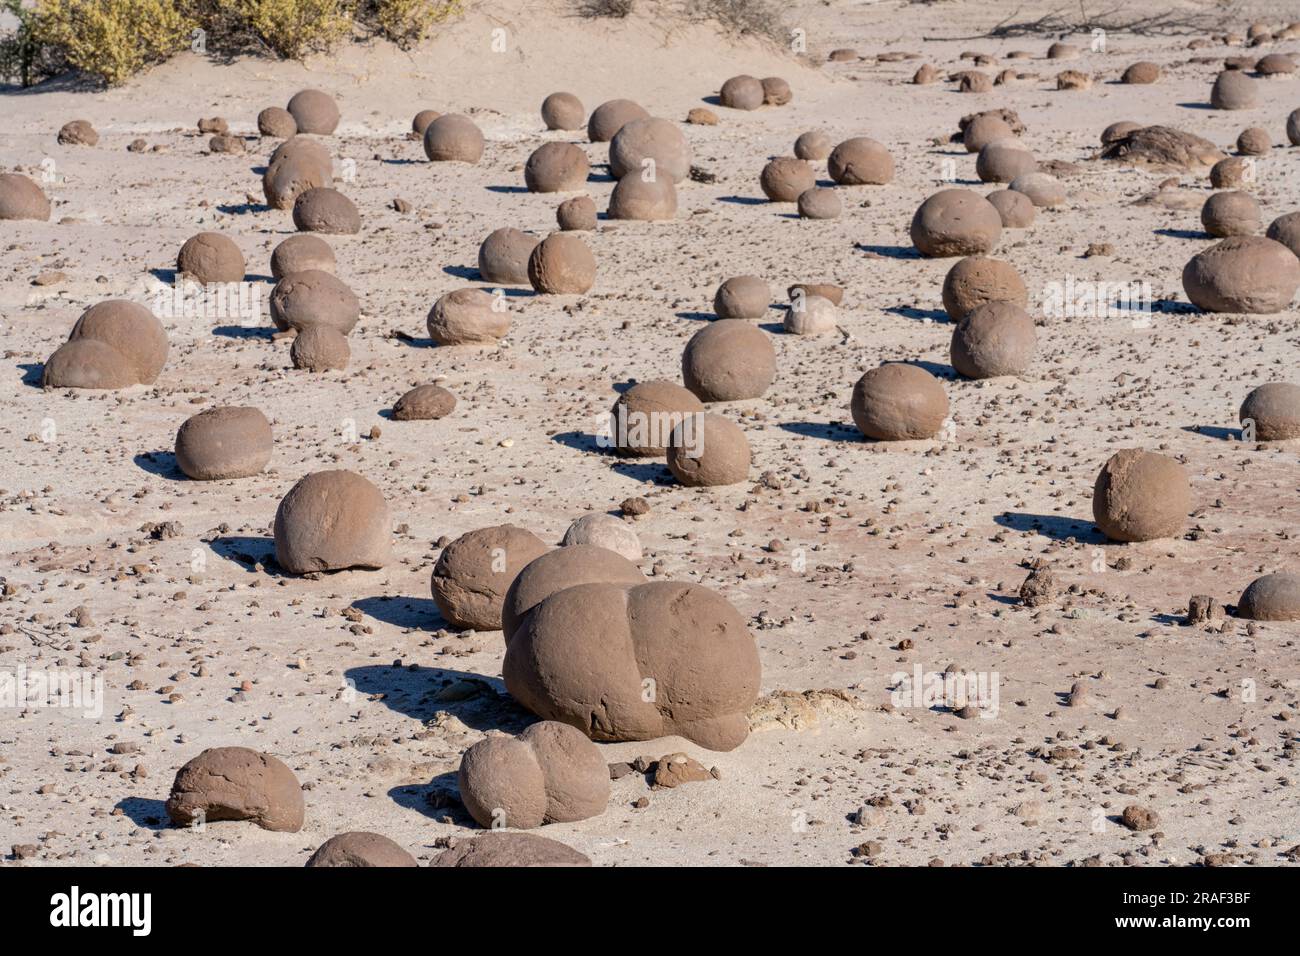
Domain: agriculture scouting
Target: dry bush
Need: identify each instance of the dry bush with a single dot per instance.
(760, 18)
(110, 39)
(289, 28)
(407, 22)
(614, 9)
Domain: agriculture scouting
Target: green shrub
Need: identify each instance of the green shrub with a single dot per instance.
(111, 39)
(289, 28)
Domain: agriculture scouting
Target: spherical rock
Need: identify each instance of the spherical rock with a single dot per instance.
(497, 849)
(1141, 496)
(304, 148)
(78, 133)
(1004, 160)
(1234, 90)
(996, 338)
(1274, 597)
(563, 111)
(420, 123)
(359, 848)
(682, 640)
(1273, 412)
(636, 198)
(327, 210)
(211, 257)
(1275, 64)
(984, 129)
(577, 214)
(314, 297)
(898, 402)
(742, 297)
(860, 161)
(332, 520)
(314, 112)
(561, 264)
(235, 783)
(227, 441)
(729, 360)
(21, 198)
(129, 347)
(423, 403)
(708, 450)
(1293, 127)
(1062, 51)
(468, 317)
(1042, 189)
(1231, 172)
(650, 141)
(603, 531)
(453, 138)
(976, 280)
(1286, 230)
(1254, 142)
(742, 93)
(776, 91)
(503, 256)
(301, 253)
(820, 203)
(575, 563)
(320, 348)
(551, 773)
(277, 122)
(1231, 214)
(290, 176)
(1016, 210)
(783, 179)
(556, 168)
(699, 116)
(1141, 73)
(925, 75)
(88, 363)
(813, 145)
(473, 573)
(644, 417)
(811, 315)
(1242, 274)
(609, 117)
(955, 222)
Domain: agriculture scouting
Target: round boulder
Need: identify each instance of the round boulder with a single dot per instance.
(324, 209)
(21, 198)
(1242, 274)
(235, 783)
(359, 848)
(563, 111)
(302, 253)
(955, 222)
(1141, 496)
(453, 138)
(556, 168)
(1274, 597)
(610, 117)
(996, 338)
(211, 257)
(650, 144)
(503, 256)
(468, 317)
(898, 402)
(314, 297)
(314, 112)
(227, 441)
(473, 573)
(976, 280)
(860, 161)
(561, 264)
(332, 520)
(783, 179)
(729, 360)
(424, 403)
(644, 417)
(1272, 412)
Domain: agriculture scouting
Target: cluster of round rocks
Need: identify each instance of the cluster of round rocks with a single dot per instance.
(556, 606)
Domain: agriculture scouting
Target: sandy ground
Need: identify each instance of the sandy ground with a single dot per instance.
(893, 556)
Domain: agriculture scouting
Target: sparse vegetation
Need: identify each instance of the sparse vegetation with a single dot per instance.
(615, 9)
(113, 40)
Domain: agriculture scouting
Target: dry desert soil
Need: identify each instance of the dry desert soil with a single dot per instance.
(851, 561)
